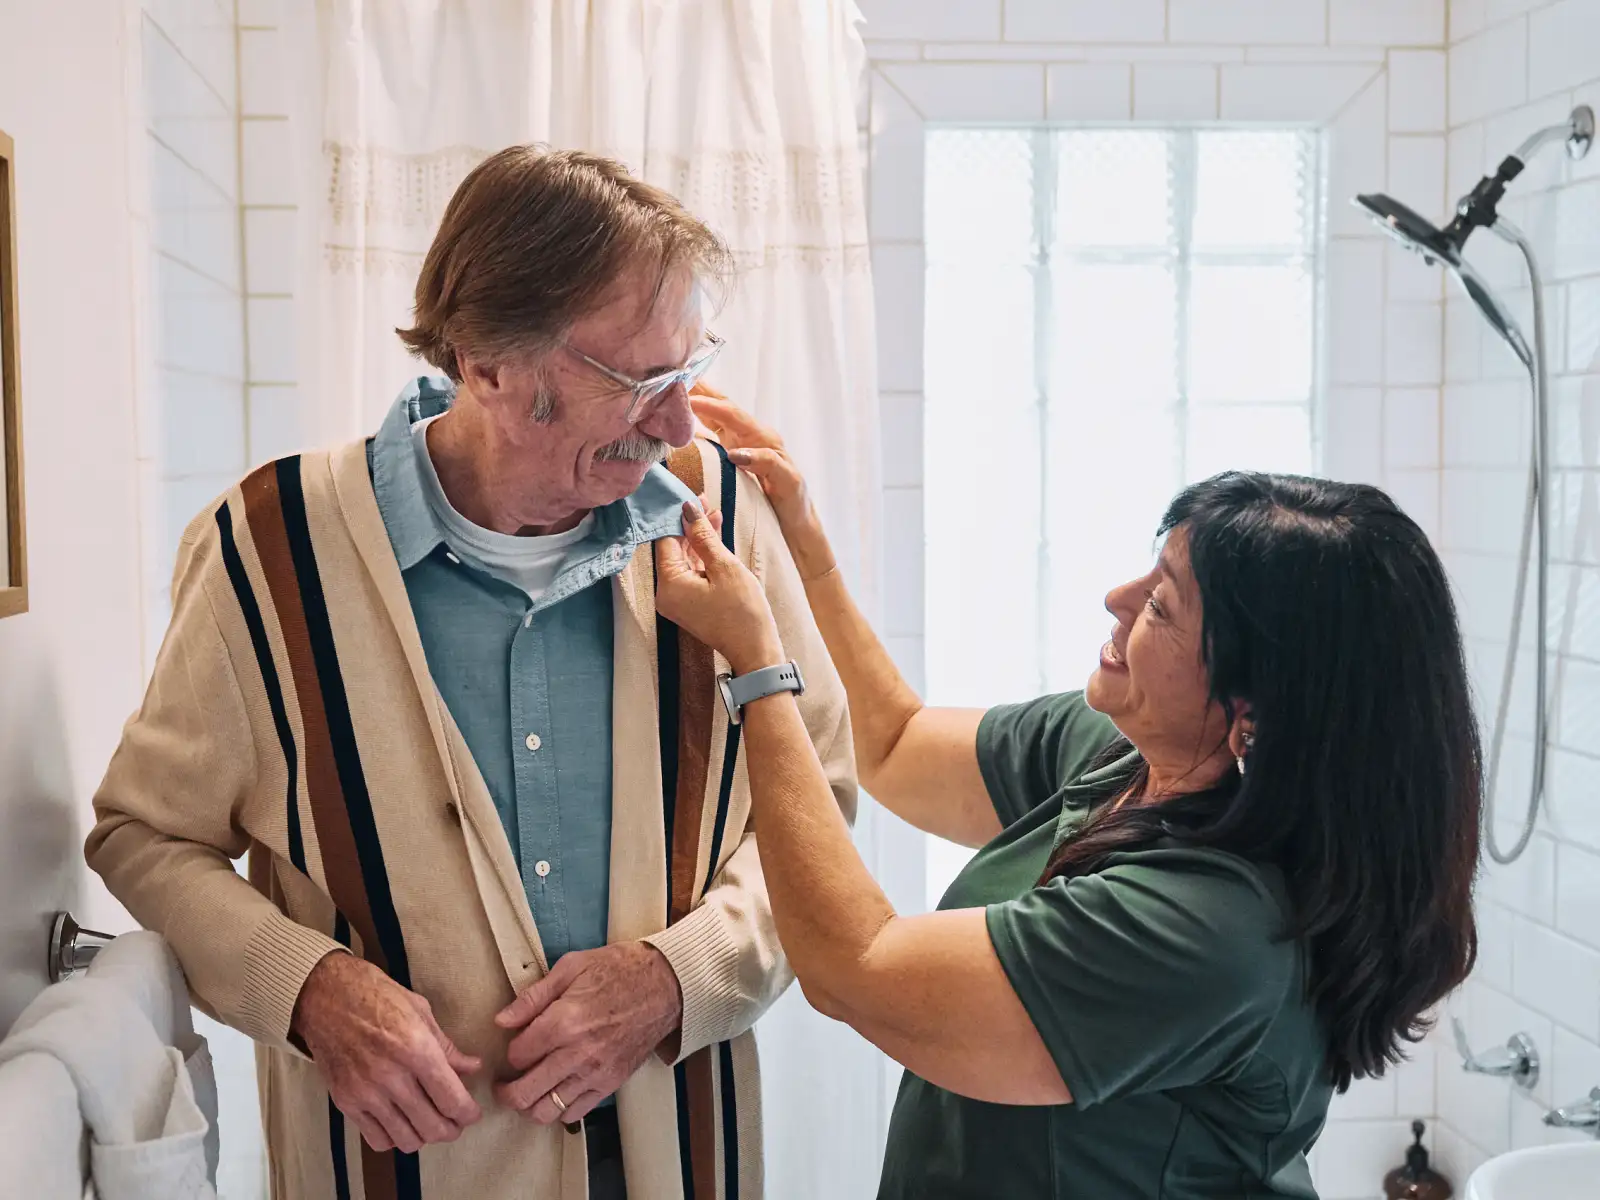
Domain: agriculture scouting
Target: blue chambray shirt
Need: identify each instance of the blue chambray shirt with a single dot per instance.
(529, 686)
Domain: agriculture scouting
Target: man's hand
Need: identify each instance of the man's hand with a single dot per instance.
(384, 1059)
(586, 1027)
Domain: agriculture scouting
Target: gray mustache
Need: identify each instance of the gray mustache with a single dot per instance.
(635, 447)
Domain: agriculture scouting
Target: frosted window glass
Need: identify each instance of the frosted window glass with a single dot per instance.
(1113, 188)
(1114, 334)
(978, 335)
(1249, 437)
(979, 196)
(1252, 190)
(1250, 334)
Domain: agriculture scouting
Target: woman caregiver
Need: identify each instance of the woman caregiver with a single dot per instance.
(1230, 876)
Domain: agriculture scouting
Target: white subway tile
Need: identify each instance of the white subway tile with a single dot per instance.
(1367, 1100)
(1477, 1106)
(272, 340)
(1358, 159)
(263, 74)
(1528, 1129)
(1583, 325)
(1414, 344)
(1575, 435)
(1588, 167)
(1352, 446)
(1456, 1157)
(903, 562)
(1578, 876)
(1577, 242)
(895, 174)
(1085, 21)
(1176, 92)
(1386, 22)
(1467, 17)
(884, 50)
(1356, 1155)
(1572, 797)
(1576, 715)
(1252, 22)
(900, 417)
(200, 322)
(1557, 976)
(1489, 72)
(1411, 427)
(270, 250)
(971, 20)
(1374, 55)
(1496, 1017)
(971, 91)
(1417, 175)
(1355, 311)
(898, 288)
(1417, 494)
(1575, 1067)
(277, 424)
(1563, 46)
(1526, 886)
(1483, 509)
(202, 421)
(1414, 1090)
(1416, 91)
(269, 171)
(1089, 92)
(1497, 931)
(1485, 425)
(1289, 92)
(1464, 162)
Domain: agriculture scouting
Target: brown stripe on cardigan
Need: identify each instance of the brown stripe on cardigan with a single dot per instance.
(341, 862)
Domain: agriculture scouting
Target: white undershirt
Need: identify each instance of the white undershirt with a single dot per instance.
(527, 562)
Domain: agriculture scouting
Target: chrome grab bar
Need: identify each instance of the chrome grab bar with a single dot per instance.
(72, 947)
(1517, 1060)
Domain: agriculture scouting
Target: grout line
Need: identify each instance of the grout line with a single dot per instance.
(189, 62)
(199, 174)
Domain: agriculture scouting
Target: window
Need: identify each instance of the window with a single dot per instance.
(1111, 313)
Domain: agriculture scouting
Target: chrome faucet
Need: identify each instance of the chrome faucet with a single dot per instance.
(1517, 1060)
(1585, 1114)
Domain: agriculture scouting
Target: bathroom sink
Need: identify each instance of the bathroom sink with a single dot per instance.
(1570, 1172)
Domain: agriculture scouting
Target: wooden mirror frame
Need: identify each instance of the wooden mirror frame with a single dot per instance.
(14, 583)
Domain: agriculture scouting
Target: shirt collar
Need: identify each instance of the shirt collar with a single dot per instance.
(654, 510)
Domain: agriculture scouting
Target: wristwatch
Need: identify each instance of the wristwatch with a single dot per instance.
(746, 689)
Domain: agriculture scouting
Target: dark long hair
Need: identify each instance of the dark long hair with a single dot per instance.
(1325, 608)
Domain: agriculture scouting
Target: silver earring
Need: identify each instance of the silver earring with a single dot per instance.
(1240, 763)
(1249, 745)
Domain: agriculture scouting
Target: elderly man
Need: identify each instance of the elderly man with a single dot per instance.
(505, 932)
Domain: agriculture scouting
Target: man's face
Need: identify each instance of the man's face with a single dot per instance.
(566, 422)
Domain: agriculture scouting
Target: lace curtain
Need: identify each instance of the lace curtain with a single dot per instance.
(745, 109)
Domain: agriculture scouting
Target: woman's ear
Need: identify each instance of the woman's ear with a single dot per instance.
(1242, 734)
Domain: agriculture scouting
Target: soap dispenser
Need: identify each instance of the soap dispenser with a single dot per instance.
(1416, 1180)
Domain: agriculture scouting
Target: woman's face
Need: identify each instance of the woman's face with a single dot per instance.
(1152, 678)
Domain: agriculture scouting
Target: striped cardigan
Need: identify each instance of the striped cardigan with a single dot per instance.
(291, 717)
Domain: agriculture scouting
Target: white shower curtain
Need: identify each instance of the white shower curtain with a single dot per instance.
(745, 109)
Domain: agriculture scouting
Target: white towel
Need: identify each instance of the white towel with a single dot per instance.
(42, 1152)
(148, 1135)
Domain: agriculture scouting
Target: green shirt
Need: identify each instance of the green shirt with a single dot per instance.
(1161, 986)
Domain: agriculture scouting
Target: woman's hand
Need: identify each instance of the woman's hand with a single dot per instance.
(760, 451)
(706, 591)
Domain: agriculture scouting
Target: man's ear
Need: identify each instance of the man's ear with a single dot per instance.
(481, 376)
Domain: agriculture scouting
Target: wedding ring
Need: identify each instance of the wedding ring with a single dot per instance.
(561, 1105)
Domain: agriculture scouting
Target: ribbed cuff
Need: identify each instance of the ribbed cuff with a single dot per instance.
(706, 961)
(277, 959)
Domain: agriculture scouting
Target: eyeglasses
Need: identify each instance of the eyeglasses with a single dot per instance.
(642, 392)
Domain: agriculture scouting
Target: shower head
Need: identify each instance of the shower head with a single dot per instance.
(1478, 210)
(1418, 234)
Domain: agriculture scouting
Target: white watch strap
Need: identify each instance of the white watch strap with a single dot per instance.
(768, 681)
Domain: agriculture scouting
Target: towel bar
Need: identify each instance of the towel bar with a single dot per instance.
(72, 947)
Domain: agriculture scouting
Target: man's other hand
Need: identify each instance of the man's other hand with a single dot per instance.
(586, 1027)
(385, 1061)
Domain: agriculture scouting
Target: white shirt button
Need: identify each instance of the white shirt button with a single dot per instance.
(452, 558)
(532, 741)
(541, 868)
(527, 619)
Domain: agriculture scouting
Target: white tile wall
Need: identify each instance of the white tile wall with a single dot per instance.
(1514, 65)
(1089, 92)
(1175, 92)
(1249, 22)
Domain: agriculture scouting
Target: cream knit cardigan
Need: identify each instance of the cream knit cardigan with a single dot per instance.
(291, 716)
